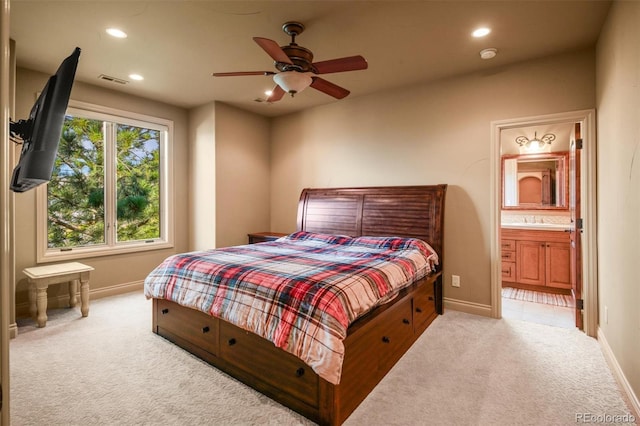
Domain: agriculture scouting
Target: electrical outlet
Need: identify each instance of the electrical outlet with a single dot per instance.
(455, 280)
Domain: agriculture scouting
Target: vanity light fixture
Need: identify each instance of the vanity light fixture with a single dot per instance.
(536, 144)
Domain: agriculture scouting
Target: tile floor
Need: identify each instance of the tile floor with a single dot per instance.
(557, 316)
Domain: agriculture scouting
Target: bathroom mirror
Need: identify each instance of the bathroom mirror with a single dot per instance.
(535, 181)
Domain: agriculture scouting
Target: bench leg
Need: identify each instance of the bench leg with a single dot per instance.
(73, 290)
(84, 296)
(41, 302)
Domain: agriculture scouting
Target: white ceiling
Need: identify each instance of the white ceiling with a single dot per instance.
(176, 45)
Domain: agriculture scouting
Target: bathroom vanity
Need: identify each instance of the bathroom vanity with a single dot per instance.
(536, 256)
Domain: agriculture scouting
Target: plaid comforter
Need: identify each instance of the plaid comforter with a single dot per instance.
(301, 292)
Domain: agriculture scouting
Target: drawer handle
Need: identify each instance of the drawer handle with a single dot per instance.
(406, 321)
(300, 372)
(419, 310)
(430, 298)
(385, 339)
(165, 311)
(232, 341)
(206, 329)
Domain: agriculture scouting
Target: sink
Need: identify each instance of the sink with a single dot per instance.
(539, 226)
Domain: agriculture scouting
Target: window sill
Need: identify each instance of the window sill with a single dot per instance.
(100, 251)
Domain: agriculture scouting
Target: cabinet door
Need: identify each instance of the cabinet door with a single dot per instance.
(558, 260)
(530, 263)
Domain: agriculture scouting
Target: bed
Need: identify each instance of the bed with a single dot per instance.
(372, 342)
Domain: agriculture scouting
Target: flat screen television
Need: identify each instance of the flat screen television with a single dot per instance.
(40, 133)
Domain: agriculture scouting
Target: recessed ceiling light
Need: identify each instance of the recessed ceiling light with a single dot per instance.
(114, 32)
(481, 32)
(268, 92)
(488, 53)
(136, 77)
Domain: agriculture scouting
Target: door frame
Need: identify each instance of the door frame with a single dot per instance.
(589, 253)
(6, 248)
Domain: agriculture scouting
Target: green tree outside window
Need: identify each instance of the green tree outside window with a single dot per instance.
(76, 194)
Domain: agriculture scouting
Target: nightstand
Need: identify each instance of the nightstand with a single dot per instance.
(261, 237)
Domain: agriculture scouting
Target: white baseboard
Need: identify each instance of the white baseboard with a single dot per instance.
(467, 307)
(61, 301)
(632, 398)
(115, 290)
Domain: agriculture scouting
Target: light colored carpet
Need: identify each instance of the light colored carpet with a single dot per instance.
(465, 370)
(538, 297)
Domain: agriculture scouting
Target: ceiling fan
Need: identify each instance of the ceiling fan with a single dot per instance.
(296, 69)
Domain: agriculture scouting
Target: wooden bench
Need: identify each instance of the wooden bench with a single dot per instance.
(39, 278)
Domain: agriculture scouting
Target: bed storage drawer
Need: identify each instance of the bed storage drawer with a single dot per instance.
(191, 325)
(255, 355)
(378, 348)
(424, 307)
(393, 336)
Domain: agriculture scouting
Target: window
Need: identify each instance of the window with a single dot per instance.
(110, 187)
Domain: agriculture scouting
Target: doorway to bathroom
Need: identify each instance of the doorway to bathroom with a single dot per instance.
(544, 171)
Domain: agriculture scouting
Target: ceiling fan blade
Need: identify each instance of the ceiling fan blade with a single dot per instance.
(329, 88)
(276, 94)
(350, 63)
(241, 73)
(273, 49)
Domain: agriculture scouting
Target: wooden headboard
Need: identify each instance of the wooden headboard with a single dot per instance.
(403, 211)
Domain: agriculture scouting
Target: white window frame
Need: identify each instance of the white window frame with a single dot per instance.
(166, 240)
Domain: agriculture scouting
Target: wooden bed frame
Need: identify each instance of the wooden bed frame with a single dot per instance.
(374, 342)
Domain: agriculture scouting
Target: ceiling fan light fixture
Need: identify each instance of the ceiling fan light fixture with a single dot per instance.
(296, 69)
(292, 82)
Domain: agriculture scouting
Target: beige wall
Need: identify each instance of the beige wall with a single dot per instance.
(427, 134)
(228, 174)
(114, 270)
(202, 177)
(618, 102)
(242, 175)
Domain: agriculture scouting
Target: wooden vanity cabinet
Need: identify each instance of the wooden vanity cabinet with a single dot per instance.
(541, 259)
(508, 260)
(558, 264)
